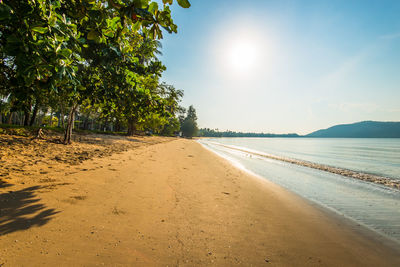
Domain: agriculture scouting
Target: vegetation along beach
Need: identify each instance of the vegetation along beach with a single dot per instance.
(199, 133)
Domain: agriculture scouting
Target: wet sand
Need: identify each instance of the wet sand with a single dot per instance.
(166, 202)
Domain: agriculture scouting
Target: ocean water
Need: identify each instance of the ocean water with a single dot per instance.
(375, 206)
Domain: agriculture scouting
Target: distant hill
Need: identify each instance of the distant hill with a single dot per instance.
(364, 129)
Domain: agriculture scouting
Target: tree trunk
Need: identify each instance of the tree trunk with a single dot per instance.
(40, 118)
(105, 125)
(34, 114)
(70, 124)
(9, 121)
(86, 123)
(1, 118)
(51, 117)
(131, 127)
(117, 126)
(26, 117)
(61, 120)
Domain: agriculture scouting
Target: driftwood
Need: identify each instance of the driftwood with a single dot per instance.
(39, 134)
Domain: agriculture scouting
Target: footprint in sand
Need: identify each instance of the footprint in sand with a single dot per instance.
(47, 180)
(74, 199)
(117, 211)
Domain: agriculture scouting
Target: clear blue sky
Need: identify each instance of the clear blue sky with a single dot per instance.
(286, 66)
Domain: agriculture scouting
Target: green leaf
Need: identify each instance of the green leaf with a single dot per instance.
(140, 3)
(5, 12)
(136, 26)
(112, 23)
(92, 35)
(65, 52)
(53, 20)
(153, 8)
(144, 3)
(59, 38)
(184, 3)
(40, 29)
(167, 2)
(108, 32)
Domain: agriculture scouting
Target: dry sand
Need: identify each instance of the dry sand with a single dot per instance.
(166, 202)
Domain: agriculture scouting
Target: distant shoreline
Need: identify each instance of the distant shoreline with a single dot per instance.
(364, 129)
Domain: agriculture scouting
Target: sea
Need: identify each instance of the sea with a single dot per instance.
(370, 204)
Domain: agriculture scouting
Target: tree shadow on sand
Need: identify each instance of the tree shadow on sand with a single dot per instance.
(21, 210)
(4, 184)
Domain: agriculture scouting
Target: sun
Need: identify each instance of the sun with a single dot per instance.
(241, 52)
(242, 56)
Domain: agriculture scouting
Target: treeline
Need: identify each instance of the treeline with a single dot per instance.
(206, 132)
(87, 64)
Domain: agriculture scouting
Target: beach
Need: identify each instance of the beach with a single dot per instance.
(164, 202)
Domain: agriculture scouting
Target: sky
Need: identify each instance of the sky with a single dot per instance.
(286, 66)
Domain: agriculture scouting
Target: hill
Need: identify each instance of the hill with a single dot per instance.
(364, 129)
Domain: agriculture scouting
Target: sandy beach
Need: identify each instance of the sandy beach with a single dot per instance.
(152, 201)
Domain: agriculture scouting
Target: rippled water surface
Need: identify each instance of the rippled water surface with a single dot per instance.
(375, 206)
(380, 156)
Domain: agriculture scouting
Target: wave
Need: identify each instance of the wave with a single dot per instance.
(381, 180)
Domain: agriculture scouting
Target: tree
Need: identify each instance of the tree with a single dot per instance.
(189, 126)
(172, 127)
(70, 52)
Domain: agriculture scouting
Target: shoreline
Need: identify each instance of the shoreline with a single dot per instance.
(366, 177)
(335, 215)
(172, 203)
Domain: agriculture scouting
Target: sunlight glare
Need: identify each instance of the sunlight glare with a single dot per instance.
(241, 52)
(242, 55)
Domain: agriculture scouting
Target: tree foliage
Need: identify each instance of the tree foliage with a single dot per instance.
(207, 132)
(189, 125)
(94, 56)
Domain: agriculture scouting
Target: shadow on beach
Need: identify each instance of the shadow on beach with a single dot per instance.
(50, 150)
(21, 210)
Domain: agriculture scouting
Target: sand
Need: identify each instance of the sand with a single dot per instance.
(168, 202)
(23, 157)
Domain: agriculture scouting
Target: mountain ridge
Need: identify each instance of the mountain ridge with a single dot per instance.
(363, 129)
